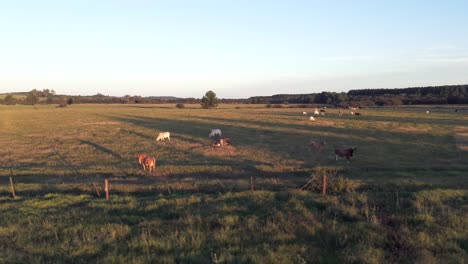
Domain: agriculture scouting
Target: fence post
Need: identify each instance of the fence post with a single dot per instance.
(12, 188)
(106, 188)
(251, 184)
(324, 187)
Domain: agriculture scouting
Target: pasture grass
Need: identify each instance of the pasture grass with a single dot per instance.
(408, 202)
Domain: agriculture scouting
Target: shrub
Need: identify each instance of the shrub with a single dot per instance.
(180, 106)
(9, 100)
(63, 102)
(335, 183)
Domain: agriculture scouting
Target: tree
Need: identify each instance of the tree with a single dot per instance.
(9, 100)
(31, 98)
(209, 100)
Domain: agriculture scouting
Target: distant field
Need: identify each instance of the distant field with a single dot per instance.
(409, 204)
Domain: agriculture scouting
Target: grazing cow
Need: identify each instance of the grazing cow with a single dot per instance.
(147, 162)
(316, 111)
(150, 163)
(358, 114)
(304, 113)
(344, 153)
(163, 135)
(311, 118)
(222, 142)
(427, 112)
(340, 113)
(215, 132)
(352, 113)
(322, 112)
(317, 145)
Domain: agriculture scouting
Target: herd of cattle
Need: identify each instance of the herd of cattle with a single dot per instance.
(322, 112)
(149, 162)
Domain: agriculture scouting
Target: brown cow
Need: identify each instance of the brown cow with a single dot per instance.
(222, 142)
(344, 153)
(317, 145)
(147, 161)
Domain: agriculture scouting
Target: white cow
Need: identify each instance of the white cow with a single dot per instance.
(304, 113)
(316, 111)
(215, 132)
(427, 112)
(163, 135)
(311, 118)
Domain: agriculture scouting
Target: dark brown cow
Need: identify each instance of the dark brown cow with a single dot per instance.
(344, 153)
(358, 114)
(222, 142)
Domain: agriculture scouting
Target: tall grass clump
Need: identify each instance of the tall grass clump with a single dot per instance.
(335, 182)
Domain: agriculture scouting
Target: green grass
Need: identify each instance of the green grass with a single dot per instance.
(409, 205)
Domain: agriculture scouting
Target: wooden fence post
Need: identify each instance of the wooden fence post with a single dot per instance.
(106, 188)
(251, 184)
(324, 187)
(12, 188)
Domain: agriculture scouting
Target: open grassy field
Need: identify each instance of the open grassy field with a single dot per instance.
(406, 199)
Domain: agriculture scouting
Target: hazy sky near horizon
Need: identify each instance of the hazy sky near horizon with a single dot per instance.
(237, 48)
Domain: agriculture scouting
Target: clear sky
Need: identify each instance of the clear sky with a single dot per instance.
(237, 48)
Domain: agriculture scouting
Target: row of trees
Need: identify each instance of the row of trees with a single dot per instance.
(209, 100)
(449, 94)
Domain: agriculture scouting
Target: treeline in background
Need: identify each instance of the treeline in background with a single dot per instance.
(448, 94)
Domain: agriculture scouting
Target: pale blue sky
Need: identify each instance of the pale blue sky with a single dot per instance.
(238, 48)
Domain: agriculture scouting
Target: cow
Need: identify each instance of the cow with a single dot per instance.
(340, 113)
(352, 113)
(427, 112)
(317, 145)
(215, 132)
(322, 112)
(358, 114)
(163, 135)
(311, 118)
(304, 113)
(147, 161)
(222, 142)
(344, 153)
(316, 111)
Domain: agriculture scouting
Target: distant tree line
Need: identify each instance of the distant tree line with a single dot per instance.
(448, 94)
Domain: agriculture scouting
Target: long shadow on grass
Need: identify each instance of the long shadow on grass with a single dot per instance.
(101, 148)
(282, 142)
(377, 151)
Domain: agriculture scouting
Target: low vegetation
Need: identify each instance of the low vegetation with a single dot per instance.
(403, 197)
